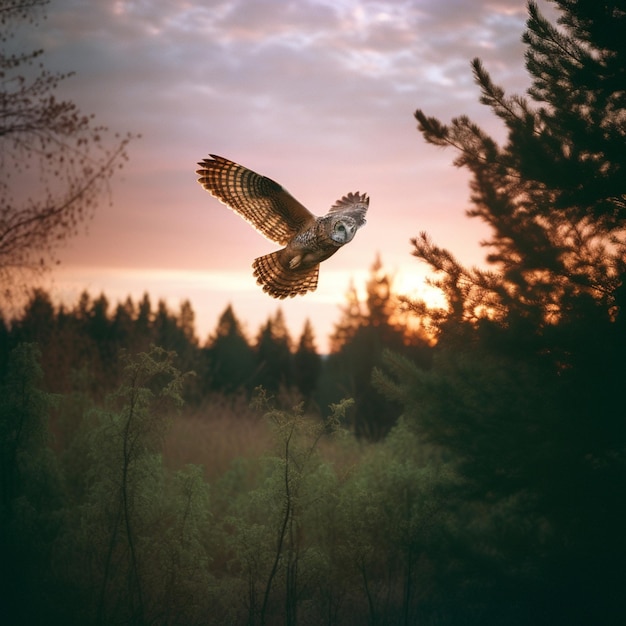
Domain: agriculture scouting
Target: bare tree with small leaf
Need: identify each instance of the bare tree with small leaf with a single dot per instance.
(56, 162)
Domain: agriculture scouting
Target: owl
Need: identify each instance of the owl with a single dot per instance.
(274, 212)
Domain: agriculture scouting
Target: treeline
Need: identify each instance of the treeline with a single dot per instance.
(82, 344)
(497, 494)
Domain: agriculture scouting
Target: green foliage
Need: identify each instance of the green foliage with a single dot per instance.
(540, 478)
(318, 530)
(394, 511)
(312, 544)
(31, 489)
(274, 549)
(494, 416)
(126, 491)
(24, 435)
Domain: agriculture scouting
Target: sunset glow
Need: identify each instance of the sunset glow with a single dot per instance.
(317, 95)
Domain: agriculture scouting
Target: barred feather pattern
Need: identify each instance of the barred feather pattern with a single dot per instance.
(274, 212)
(262, 202)
(280, 282)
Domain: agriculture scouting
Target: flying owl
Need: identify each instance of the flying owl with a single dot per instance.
(274, 212)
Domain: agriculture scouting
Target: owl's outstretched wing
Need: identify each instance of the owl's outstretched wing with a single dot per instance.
(353, 204)
(272, 210)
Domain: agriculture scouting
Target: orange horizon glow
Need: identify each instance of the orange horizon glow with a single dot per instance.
(322, 308)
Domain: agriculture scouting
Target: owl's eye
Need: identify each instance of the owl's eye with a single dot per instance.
(341, 228)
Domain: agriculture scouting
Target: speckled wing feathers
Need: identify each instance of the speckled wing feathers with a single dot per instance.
(272, 210)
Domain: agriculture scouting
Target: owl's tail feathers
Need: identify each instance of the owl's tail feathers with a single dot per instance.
(281, 282)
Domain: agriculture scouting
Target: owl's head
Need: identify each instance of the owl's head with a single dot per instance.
(343, 229)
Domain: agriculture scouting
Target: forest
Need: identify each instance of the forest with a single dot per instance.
(461, 465)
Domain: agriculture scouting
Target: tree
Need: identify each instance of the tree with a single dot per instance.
(271, 542)
(352, 317)
(273, 355)
(364, 332)
(122, 321)
(230, 356)
(307, 362)
(125, 459)
(30, 489)
(56, 161)
(554, 194)
(525, 393)
(143, 335)
(130, 543)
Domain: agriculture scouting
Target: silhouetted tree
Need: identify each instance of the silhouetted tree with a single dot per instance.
(142, 336)
(100, 330)
(525, 392)
(176, 333)
(307, 362)
(186, 322)
(38, 320)
(273, 355)
(352, 318)
(122, 322)
(231, 360)
(364, 332)
(553, 195)
(49, 144)
(89, 337)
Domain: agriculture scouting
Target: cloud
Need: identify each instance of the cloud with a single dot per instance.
(276, 51)
(270, 71)
(317, 94)
(309, 75)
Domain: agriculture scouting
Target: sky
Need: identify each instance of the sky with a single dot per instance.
(317, 94)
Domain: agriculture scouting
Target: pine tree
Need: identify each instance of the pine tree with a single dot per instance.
(352, 317)
(365, 331)
(307, 362)
(38, 320)
(122, 322)
(143, 327)
(554, 193)
(525, 393)
(230, 357)
(273, 354)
